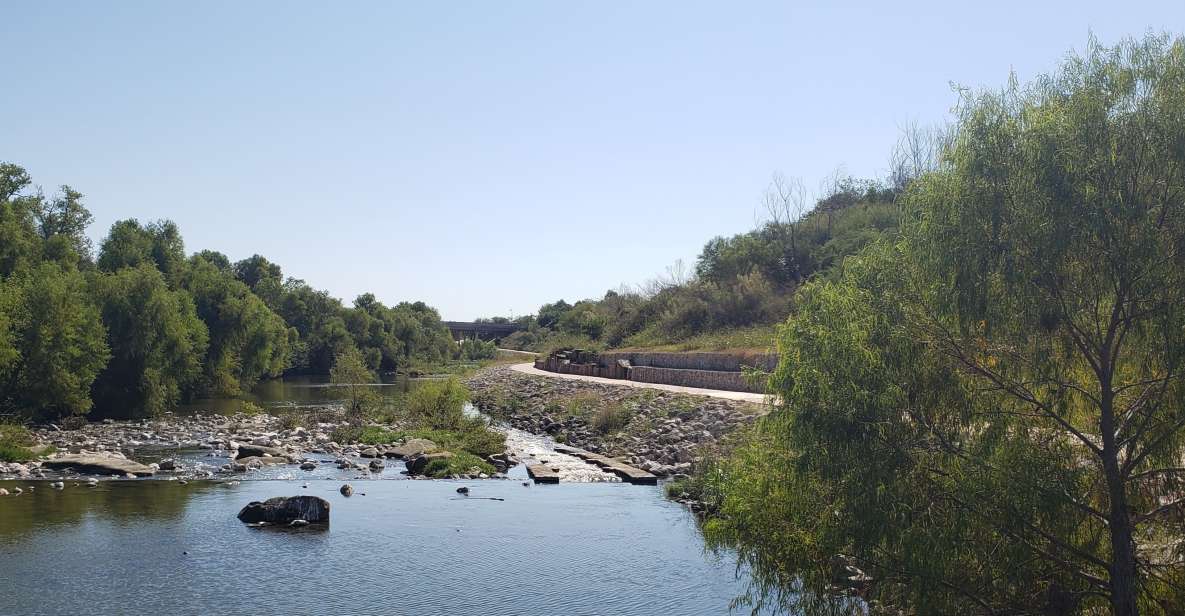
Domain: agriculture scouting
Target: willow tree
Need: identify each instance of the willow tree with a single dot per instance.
(988, 416)
(1057, 234)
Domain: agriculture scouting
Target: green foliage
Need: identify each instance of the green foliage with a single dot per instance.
(56, 343)
(131, 244)
(461, 463)
(610, 418)
(247, 340)
(474, 350)
(438, 404)
(351, 374)
(986, 416)
(151, 327)
(15, 441)
(156, 339)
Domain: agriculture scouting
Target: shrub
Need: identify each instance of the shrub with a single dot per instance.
(462, 463)
(438, 405)
(581, 404)
(611, 418)
(15, 441)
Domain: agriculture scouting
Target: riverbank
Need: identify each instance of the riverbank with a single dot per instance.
(659, 431)
(318, 444)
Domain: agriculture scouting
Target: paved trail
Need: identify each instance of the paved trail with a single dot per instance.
(529, 368)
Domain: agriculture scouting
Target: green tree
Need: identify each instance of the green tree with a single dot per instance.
(156, 339)
(130, 244)
(64, 219)
(355, 379)
(247, 340)
(53, 344)
(987, 417)
(20, 245)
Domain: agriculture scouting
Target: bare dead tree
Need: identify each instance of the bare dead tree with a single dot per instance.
(918, 151)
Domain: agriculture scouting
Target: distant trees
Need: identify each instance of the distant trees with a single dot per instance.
(247, 340)
(986, 416)
(143, 326)
(52, 342)
(743, 281)
(157, 343)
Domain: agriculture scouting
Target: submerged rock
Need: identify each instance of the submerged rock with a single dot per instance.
(286, 509)
(99, 465)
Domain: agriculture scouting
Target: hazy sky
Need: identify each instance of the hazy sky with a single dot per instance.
(488, 157)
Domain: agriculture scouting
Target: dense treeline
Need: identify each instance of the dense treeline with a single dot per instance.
(984, 415)
(140, 326)
(741, 285)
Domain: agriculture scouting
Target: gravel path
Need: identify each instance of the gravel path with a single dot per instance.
(529, 368)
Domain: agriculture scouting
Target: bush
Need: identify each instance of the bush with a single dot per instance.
(15, 441)
(611, 418)
(462, 463)
(474, 350)
(439, 405)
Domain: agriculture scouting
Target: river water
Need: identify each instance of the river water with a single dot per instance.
(406, 547)
(595, 546)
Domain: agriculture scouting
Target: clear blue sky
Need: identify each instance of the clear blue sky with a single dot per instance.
(487, 157)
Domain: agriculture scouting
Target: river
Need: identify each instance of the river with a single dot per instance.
(396, 547)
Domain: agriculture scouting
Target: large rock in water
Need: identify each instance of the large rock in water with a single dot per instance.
(284, 509)
(258, 451)
(416, 465)
(411, 448)
(98, 465)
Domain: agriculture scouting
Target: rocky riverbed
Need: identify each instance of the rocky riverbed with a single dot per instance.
(659, 431)
(209, 446)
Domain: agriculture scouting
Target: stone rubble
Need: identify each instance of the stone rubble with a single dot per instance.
(667, 432)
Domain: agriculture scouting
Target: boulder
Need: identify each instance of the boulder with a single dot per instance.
(308, 466)
(261, 461)
(376, 465)
(417, 464)
(369, 452)
(168, 465)
(285, 509)
(258, 451)
(98, 465)
(346, 490)
(411, 449)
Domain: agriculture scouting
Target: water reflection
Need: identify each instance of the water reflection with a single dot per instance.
(41, 506)
(409, 547)
(296, 392)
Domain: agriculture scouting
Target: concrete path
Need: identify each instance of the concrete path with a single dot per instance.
(529, 368)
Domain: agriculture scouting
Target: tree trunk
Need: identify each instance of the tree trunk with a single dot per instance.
(1123, 547)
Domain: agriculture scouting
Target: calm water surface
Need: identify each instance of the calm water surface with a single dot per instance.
(296, 391)
(406, 547)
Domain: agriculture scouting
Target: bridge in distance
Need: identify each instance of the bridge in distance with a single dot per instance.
(462, 330)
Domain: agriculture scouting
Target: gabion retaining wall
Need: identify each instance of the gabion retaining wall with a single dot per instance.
(706, 370)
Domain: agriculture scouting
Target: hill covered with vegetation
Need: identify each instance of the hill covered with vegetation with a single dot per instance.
(741, 285)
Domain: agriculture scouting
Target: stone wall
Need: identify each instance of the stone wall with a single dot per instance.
(706, 370)
(722, 362)
(707, 379)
